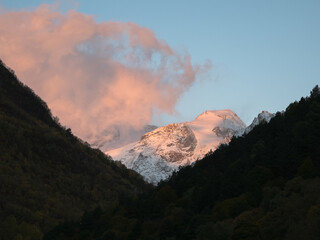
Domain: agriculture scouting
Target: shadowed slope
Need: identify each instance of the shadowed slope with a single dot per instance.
(264, 185)
(48, 175)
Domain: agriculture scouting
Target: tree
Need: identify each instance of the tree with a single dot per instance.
(307, 168)
(315, 92)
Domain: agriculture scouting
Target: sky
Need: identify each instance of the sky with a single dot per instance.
(246, 56)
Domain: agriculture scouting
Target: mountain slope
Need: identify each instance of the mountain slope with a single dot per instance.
(162, 151)
(263, 117)
(264, 185)
(47, 175)
(118, 136)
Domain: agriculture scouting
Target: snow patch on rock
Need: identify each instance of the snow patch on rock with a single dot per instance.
(162, 151)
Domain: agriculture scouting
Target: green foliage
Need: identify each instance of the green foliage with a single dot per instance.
(10, 229)
(231, 207)
(166, 195)
(246, 226)
(307, 169)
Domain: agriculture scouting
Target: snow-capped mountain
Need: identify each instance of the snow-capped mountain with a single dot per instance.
(264, 116)
(117, 136)
(162, 151)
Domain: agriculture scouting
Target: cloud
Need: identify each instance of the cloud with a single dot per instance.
(94, 76)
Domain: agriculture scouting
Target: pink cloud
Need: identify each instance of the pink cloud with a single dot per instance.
(94, 75)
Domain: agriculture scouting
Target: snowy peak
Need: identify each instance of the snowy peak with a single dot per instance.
(222, 119)
(159, 152)
(215, 127)
(165, 149)
(264, 116)
(226, 113)
(172, 142)
(162, 151)
(117, 136)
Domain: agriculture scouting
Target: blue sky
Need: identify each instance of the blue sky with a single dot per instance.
(265, 54)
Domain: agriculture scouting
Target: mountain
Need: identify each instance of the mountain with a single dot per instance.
(162, 151)
(262, 185)
(47, 175)
(263, 117)
(118, 136)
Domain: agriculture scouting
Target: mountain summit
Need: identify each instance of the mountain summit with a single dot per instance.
(162, 151)
(262, 117)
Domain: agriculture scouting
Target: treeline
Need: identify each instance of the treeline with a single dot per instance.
(265, 185)
(47, 175)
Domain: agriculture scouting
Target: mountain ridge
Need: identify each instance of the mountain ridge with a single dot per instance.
(262, 185)
(47, 174)
(164, 150)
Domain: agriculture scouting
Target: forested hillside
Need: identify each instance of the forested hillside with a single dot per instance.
(47, 175)
(264, 185)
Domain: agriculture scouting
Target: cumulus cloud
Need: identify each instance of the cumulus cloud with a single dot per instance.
(94, 76)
